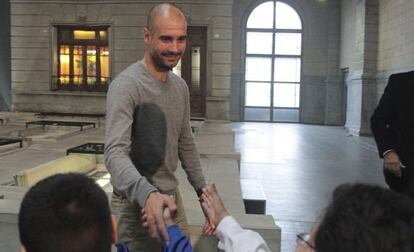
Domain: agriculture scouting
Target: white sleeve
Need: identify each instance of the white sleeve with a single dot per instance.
(233, 238)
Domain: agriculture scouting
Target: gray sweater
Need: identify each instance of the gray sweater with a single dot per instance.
(147, 130)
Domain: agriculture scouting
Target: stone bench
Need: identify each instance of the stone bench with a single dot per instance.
(82, 163)
(45, 123)
(9, 144)
(224, 173)
(253, 196)
(16, 117)
(62, 114)
(216, 141)
(196, 123)
(98, 118)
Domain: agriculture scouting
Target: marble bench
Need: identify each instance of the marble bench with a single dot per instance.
(82, 163)
(253, 196)
(44, 123)
(224, 172)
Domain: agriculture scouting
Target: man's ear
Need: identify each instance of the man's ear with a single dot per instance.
(147, 36)
(22, 248)
(114, 230)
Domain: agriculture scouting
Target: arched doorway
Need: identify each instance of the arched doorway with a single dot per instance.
(273, 63)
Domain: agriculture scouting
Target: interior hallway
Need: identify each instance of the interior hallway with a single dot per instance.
(299, 166)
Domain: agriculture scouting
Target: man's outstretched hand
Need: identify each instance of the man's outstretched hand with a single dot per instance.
(152, 215)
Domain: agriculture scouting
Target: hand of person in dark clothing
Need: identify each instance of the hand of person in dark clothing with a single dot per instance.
(392, 163)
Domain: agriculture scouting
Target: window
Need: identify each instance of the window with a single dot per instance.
(82, 61)
(273, 63)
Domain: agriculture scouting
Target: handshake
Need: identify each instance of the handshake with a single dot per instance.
(158, 218)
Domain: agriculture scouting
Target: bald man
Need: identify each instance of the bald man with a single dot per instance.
(148, 130)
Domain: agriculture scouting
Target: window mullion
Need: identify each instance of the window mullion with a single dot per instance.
(260, 29)
(84, 66)
(58, 76)
(273, 60)
(98, 66)
(71, 65)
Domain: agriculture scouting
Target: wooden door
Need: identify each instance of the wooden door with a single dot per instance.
(193, 69)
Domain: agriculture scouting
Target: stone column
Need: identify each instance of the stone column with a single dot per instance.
(334, 88)
(5, 69)
(362, 81)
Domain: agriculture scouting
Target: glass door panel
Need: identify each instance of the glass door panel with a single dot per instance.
(259, 43)
(258, 69)
(64, 60)
(257, 94)
(78, 65)
(288, 43)
(286, 95)
(287, 69)
(104, 58)
(257, 114)
(195, 70)
(286, 115)
(261, 16)
(91, 65)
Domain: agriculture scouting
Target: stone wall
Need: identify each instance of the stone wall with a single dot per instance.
(359, 56)
(320, 52)
(396, 35)
(347, 33)
(33, 34)
(377, 40)
(396, 40)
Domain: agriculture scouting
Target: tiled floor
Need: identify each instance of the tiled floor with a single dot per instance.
(299, 166)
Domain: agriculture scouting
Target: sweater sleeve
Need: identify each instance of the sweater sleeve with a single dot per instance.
(233, 238)
(125, 178)
(187, 150)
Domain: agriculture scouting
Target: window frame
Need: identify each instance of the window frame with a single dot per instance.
(98, 86)
(273, 56)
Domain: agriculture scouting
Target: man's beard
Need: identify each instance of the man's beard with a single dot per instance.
(158, 62)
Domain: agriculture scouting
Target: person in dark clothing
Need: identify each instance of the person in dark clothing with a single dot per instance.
(392, 125)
